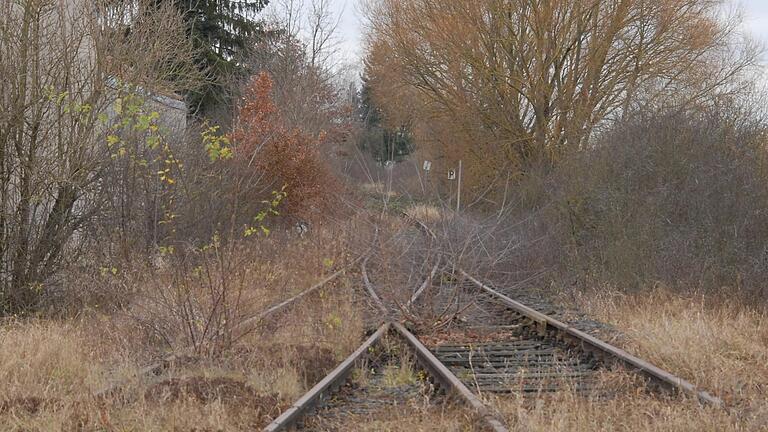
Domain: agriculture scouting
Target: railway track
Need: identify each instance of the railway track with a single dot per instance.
(498, 345)
(493, 344)
(541, 339)
(443, 380)
(160, 366)
(555, 336)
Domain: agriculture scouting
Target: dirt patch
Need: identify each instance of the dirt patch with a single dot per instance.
(311, 362)
(231, 392)
(30, 405)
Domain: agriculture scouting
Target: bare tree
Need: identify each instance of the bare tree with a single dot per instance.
(314, 23)
(61, 61)
(322, 26)
(536, 78)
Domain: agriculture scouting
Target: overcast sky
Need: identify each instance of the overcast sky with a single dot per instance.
(350, 31)
(756, 18)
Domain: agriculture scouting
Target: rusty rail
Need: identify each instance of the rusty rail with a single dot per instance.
(157, 367)
(590, 343)
(364, 257)
(448, 380)
(371, 291)
(423, 286)
(331, 382)
(300, 295)
(431, 364)
(338, 376)
(421, 225)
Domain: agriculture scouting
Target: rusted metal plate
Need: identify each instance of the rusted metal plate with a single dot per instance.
(590, 342)
(329, 383)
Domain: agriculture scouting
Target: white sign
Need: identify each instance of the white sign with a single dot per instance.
(452, 175)
(427, 165)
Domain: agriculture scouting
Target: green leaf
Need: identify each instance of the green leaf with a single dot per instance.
(153, 141)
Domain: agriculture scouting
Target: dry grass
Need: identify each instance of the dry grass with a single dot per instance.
(718, 345)
(50, 373)
(425, 213)
(51, 370)
(44, 360)
(635, 412)
(722, 348)
(378, 189)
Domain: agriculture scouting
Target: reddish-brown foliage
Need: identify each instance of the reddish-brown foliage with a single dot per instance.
(286, 156)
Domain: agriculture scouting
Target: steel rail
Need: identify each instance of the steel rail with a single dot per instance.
(313, 288)
(449, 381)
(332, 381)
(369, 288)
(421, 225)
(157, 367)
(335, 379)
(595, 345)
(423, 286)
(300, 295)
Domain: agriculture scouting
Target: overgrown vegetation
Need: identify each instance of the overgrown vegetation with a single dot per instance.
(615, 160)
(677, 198)
(385, 142)
(627, 167)
(501, 83)
(60, 105)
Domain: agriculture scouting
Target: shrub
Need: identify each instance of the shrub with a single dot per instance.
(679, 198)
(282, 156)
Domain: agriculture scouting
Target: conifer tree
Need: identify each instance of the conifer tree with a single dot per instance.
(220, 31)
(385, 144)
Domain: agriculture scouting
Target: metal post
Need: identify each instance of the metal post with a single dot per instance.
(458, 190)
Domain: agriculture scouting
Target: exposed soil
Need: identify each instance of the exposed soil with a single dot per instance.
(311, 362)
(231, 392)
(30, 405)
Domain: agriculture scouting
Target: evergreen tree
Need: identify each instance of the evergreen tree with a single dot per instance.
(220, 31)
(383, 143)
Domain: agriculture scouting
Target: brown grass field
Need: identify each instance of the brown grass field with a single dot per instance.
(52, 369)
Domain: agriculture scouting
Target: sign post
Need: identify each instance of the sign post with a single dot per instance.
(452, 176)
(458, 190)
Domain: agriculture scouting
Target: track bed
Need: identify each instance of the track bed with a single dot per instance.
(387, 392)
